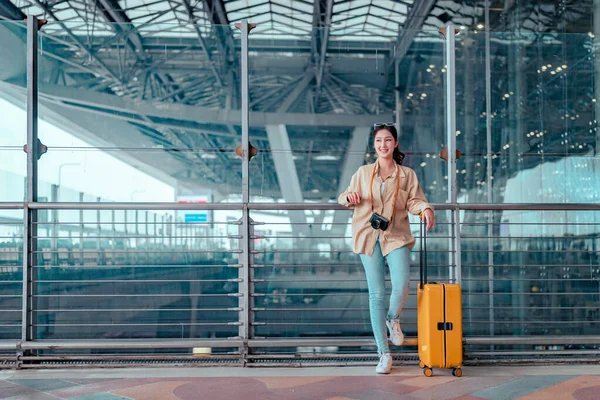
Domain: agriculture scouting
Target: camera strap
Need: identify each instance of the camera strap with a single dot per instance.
(395, 195)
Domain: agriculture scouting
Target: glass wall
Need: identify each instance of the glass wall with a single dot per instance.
(155, 117)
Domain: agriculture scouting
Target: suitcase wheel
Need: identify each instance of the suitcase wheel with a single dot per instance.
(428, 371)
(457, 372)
(421, 365)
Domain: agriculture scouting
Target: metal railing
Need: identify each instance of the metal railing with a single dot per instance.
(184, 297)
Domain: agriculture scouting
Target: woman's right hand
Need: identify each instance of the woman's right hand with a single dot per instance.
(353, 198)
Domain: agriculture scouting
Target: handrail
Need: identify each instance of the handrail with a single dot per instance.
(283, 342)
(289, 206)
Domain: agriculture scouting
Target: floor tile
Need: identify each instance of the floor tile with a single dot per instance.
(459, 387)
(284, 382)
(152, 391)
(519, 387)
(8, 390)
(44, 385)
(566, 389)
(32, 396)
(100, 396)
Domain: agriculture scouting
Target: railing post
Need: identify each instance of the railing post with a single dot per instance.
(457, 248)
(454, 229)
(245, 227)
(33, 153)
(489, 158)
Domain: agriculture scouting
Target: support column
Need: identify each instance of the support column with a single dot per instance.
(354, 158)
(287, 175)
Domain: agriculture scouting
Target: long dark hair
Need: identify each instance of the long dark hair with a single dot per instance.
(398, 156)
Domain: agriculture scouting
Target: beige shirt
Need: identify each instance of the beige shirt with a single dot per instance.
(410, 199)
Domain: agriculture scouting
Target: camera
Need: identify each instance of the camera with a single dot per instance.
(379, 222)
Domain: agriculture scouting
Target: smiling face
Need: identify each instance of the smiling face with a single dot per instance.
(385, 143)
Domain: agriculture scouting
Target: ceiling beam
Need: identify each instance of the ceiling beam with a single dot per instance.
(79, 43)
(190, 12)
(11, 12)
(112, 12)
(296, 93)
(322, 13)
(111, 104)
(413, 23)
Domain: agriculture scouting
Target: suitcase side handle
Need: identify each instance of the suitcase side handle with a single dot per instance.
(423, 254)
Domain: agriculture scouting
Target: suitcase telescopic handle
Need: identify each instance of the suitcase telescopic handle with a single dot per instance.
(423, 254)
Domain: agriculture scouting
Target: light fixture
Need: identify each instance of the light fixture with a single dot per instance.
(480, 26)
(444, 17)
(326, 157)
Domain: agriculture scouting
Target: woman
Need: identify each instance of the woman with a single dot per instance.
(382, 194)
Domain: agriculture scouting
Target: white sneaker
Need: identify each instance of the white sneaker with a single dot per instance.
(396, 335)
(385, 364)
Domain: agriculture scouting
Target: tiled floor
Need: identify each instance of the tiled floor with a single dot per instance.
(579, 382)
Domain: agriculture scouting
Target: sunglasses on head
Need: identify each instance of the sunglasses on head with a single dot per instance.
(384, 124)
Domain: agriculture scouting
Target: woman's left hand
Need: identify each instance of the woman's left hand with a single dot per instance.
(429, 217)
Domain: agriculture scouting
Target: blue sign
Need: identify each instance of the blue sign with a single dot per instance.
(200, 217)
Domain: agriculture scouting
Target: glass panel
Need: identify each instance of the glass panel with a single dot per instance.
(137, 274)
(11, 273)
(543, 117)
(535, 273)
(13, 106)
(13, 169)
(471, 132)
(320, 119)
(137, 120)
(308, 282)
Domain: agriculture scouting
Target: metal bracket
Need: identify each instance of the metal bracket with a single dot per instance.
(19, 356)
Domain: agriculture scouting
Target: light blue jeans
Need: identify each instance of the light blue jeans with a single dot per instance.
(399, 264)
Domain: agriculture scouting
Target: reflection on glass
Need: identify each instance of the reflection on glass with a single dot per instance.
(138, 130)
(13, 124)
(321, 116)
(530, 272)
(308, 282)
(542, 118)
(136, 274)
(11, 277)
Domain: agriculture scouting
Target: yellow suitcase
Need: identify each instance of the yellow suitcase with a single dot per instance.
(439, 321)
